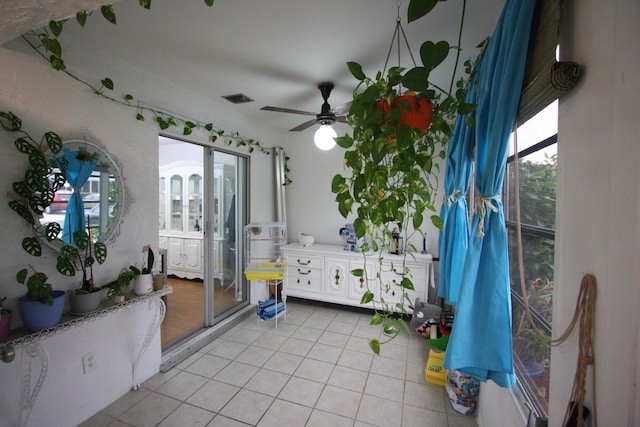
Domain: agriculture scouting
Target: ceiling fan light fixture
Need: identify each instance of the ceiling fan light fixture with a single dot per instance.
(324, 137)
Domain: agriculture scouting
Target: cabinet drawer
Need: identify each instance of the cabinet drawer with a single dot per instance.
(304, 278)
(418, 271)
(306, 261)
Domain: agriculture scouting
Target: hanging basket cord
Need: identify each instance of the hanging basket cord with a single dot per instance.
(585, 307)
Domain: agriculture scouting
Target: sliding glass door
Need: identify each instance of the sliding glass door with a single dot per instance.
(201, 212)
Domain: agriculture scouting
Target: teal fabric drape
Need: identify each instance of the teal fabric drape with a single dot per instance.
(453, 240)
(480, 342)
(77, 167)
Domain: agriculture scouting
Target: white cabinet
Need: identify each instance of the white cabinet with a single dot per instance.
(323, 273)
(184, 257)
(181, 194)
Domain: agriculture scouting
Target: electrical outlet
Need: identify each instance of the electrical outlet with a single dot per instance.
(89, 362)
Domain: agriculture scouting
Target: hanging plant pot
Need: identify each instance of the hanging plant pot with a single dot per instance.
(419, 114)
(416, 112)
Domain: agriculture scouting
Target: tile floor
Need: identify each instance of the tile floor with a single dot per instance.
(315, 369)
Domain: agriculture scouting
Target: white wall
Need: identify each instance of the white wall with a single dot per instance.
(311, 206)
(48, 100)
(598, 213)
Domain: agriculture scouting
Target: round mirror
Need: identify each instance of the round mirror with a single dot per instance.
(99, 199)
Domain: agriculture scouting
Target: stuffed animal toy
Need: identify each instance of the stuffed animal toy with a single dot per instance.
(424, 315)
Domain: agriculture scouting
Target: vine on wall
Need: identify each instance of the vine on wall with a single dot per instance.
(46, 43)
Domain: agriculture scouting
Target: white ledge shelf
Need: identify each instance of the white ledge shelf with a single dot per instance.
(69, 321)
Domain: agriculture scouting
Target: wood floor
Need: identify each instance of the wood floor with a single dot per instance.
(185, 308)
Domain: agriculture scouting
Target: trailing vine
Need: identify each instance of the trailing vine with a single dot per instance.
(46, 43)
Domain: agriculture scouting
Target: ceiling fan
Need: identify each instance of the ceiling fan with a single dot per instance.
(327, 115)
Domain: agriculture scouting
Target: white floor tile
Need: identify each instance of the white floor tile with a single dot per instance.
(282, 413)
(213, 395)
(247, 406)
(187, 415)
(302, 391)
(182, 385)
(380, 412)
(236, 373)
(208, 365)
(339, 401)
(267, 382)
(151, 411)
(348, 378)
(284, 362)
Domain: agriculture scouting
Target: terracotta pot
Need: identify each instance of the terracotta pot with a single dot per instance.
(418, 116)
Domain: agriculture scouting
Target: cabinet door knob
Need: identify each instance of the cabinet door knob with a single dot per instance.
(361, 282)
(337, 276)
(309, 282)
(303, 272)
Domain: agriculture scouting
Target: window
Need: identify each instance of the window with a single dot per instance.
(537, 149)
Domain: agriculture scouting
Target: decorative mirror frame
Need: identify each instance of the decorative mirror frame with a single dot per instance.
(122, 206)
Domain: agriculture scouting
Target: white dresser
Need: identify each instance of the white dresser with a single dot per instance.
(323, 273)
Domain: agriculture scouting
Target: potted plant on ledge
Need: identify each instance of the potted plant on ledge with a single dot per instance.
(144, 279)
(41, 307)
(81, 255)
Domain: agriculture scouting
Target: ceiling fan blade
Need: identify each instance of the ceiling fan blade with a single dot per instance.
(287, 110)
(341, 119)
(303, 126)
(342, 109)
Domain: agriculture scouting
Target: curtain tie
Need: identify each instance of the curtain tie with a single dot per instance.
(482, 204)
(450, 199)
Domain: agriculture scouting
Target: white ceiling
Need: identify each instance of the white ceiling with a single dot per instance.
(273, 51)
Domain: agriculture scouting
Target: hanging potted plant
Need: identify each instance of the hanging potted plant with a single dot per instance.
(144, 279)
(41, 307)
(400, 124)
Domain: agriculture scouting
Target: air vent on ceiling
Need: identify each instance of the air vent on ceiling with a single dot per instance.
(238, 98)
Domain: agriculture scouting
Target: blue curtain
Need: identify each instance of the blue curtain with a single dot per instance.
(77, 166)
(453, 240)
(480, 342)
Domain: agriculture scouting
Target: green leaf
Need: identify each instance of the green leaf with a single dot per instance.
(54, 142)
(145, 3)
(107, 82)
(466, 108)
(432, 54)
(419, 8)
(416, 79)
(22, 210)
(437, 222)
(208, 2)
(24, 145)
(65, 266)
(356, 70)
(52, 231)
(209, 127)
(374, 344)
(100, 252)
(108, 13)
(358, 272)
(51, 45)
(337, 182)
(56, 27)
(407, 284)
(22, 275)
(186, 131)
(367, 297)
(32, 246)
(81, 17)
(140, 117)
(57, 63)
(10, 122)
